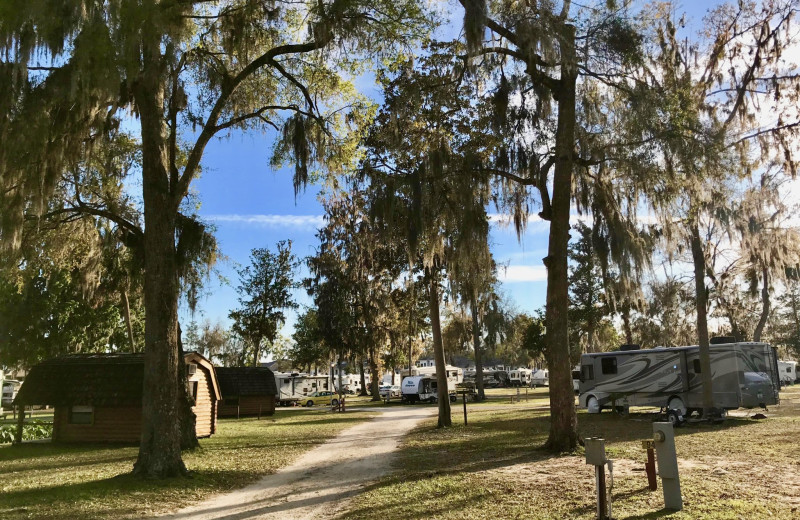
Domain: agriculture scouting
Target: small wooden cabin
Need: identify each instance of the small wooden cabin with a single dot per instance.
(98, 397)
(246, 391)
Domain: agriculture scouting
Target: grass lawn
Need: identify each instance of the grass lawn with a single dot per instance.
(43, 480)
(492, 468)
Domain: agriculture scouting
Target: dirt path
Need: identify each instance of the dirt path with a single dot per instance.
(317, 484)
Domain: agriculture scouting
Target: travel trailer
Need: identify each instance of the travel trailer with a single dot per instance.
(454, 374)
(491, 378)
(540, 377)
(292, 387)
(788, 372)
(424, 389)
(745, 375)
(520, 377)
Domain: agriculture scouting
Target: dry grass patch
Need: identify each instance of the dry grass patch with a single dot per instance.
(493, 468)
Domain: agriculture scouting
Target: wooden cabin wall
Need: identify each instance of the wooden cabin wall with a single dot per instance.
(119, 424)
(249, 405)
(205, 407)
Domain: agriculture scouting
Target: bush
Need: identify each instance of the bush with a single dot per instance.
(31, 431)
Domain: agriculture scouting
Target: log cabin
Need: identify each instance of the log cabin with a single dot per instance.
(98, 397)
(246, 391)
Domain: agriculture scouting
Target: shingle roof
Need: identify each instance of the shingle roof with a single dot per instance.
(242, 381)
(87, 379)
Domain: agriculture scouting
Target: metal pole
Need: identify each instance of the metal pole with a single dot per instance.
(600, 472)
(464, 398)
(20, 422)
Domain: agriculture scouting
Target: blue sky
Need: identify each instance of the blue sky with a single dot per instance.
(254, 206)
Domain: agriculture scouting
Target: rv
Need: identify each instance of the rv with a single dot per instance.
(744, 375)
(292, 387)
(520, 377)
(491, 378)
(540, 377)
(424, 389)
(454, 374)
(788, 372)
(10, 389)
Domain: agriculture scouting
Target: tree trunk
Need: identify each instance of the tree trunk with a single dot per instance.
(563, 419)
(438, 354)
(476, 345)
(626, 323)
(160, 448)
(374, 383)
(256, 352)
(765, 307)
(126, 313)
(188, 417)
(701, 306)
(363, 379)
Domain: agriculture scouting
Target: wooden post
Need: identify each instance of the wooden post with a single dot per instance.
(259, 411)
(526, 394)
(20, 422)
(237, 411)
(464, 398)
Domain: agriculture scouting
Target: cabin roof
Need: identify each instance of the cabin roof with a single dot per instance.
(114, 379)
(246, 381)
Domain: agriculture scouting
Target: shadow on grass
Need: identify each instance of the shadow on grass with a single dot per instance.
(57, 496)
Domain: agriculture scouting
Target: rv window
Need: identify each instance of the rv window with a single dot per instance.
(588, 372)
(608, 365)
(788, 370)
(696, 366)
(81, 415)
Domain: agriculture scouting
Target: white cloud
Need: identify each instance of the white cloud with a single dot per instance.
(311, 222)
(522, 273)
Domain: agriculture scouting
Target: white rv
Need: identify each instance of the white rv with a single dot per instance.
(454, 374)
(788, 372)
(292, 387)
(424, 389)
(540, 377)
(520, 377)
(745, 375)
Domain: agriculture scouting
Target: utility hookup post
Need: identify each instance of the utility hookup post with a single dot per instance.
(667, 458)
(596, 456)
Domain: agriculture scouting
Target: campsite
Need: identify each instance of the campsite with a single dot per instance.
(746, 469)
(399, 259)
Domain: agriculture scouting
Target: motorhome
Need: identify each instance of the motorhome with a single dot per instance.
(540, 377)
(292, 387)
(744, 375)
(788, 372)
(520, 377)
(491, 378)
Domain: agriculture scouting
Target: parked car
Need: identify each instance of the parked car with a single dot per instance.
(326, 398)
(389, 391)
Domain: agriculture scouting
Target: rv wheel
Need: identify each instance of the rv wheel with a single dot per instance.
(334, 402)
(310, 404)
(674, 418)
(676, 403)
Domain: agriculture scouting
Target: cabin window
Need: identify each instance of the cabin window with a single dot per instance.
(191, 389)
(588, 372)
(81, 415)
(608, 365)
(696, 366)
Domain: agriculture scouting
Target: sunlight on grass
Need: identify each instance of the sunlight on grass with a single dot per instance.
(78, 481)
(494, 468)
